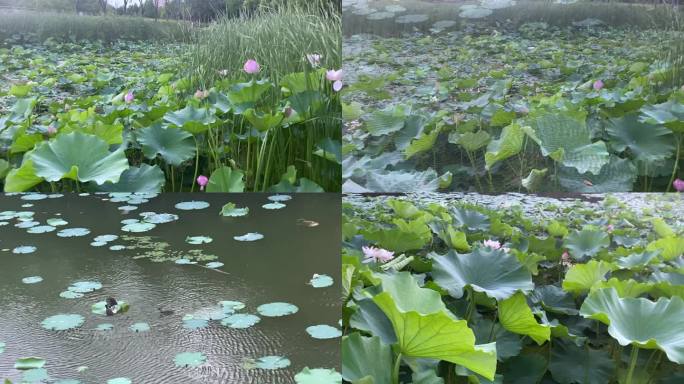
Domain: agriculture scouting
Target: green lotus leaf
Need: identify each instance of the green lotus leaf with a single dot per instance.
(321, 281)
(250, 236)
(119, 380)
(473, 141)
(189, 359)
(240, 321)
(570, 364)
(534, 180)
(554, 299)
(32, 280)
(616, 176)
(36, 375)
(507, 344)
(426, 329)
(26, 363)
(421, 144)
(192, 205)
(470, 219)
(272, 362)
(23, 178)
(263, 121)
(517, 317)
(493, 272)
(474, 12)
(648, 143)
(586, 243)
(110, 133)
(299, 82)
(366, 360)
(640, 322)
(509, 144)
(25, 142)
(146, 178)
(406, 235)
(581, 277)
(384, 122)
(78, 157)
(226, 179)
(670, 247)
(524, 369)
(231, 210)
(370, 318)
(63, 322)
(245, 95)
(323, 331)
(277, 309)
(669, 113)
(174, 145)
(565, 137)
(452, 238)
(625, 288)
(318, 376)
(637, 260)
(403, 181)
(191, 119)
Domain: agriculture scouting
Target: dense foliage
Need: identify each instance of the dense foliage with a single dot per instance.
(497, 107)
(513, 289)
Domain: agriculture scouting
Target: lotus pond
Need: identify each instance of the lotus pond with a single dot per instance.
(209, 288)
(512, 288)
(131, 116)
(495, 96)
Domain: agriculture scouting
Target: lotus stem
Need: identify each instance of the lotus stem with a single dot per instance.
(676, 162)
(633, 360)
(194, 178)
(395, 373)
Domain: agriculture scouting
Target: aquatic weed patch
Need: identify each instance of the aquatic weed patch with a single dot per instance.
(142, 126)
(512, 288)
(530, 108)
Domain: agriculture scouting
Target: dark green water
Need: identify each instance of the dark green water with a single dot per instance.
(276, 268)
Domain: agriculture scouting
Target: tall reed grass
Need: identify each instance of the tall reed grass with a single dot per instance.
(39, 26)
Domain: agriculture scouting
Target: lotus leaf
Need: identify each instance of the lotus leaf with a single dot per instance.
(59, 159)
(252, 236)
(214, 265)
(24, 249)
(140, 327)
(35, 375)
(191, 119)
(640, 322)
(189, 359)
(516, 316)
(119, 380)
(509, 144)
(231, 210)
(581, 244)
(425, 329)
(491, 271)
(174, 145)
(73, 232)
(272, 206)
(581, 277)
(226, 179)
(32, 280)
(63, 322)
(190, 205)
(277, 309)
(272, 362)
(649, 143)
(240, 321)
(617, 176)
(321, 281)
(85, 286)
(27, 363)
(366, 360)
(323, 331)
(198, 240)
(318, 376)
(146, 178)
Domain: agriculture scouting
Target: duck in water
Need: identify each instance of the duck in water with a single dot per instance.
(110, 306)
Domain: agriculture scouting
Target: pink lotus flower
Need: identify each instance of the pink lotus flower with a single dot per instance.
(493, 244)
(598, 85)
(333, 75)
(609, 228)
(129, 97)
(51, 130)
(678, 185)
(314, 59)
(337, 85)
(377, 255)
(199, 94)
(565, 258)
(251, 67)
(202, 181)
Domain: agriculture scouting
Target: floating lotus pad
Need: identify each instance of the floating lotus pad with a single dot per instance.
(240, 321)
(57, 222)
(274, 205)
(272, 362)
(231, 210)
(230, 306)
(29, 363)
(73, 232)
(321, 281)
(323, 331)
(100, 308)
(214, 264)
(26, 224)
(192, 205)
(70, 295)
(140, 327)
(380, 15)
(32, 280)
(41, 229)
(138, 227)
(252, 236)
(280, 198)
(318, 376)
(63, 322)
(185, 261)
(24, 249)
(36, 375)
(85, 286)
(198, 239)
(106, 238)
(119, 380)
(277, 309)
(34, 196)
(189, 359)
(406, 19)
(159, 218)
(105, 327)
(195, 323)
(117, 247)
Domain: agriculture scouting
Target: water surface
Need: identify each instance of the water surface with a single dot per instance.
(274, 269)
